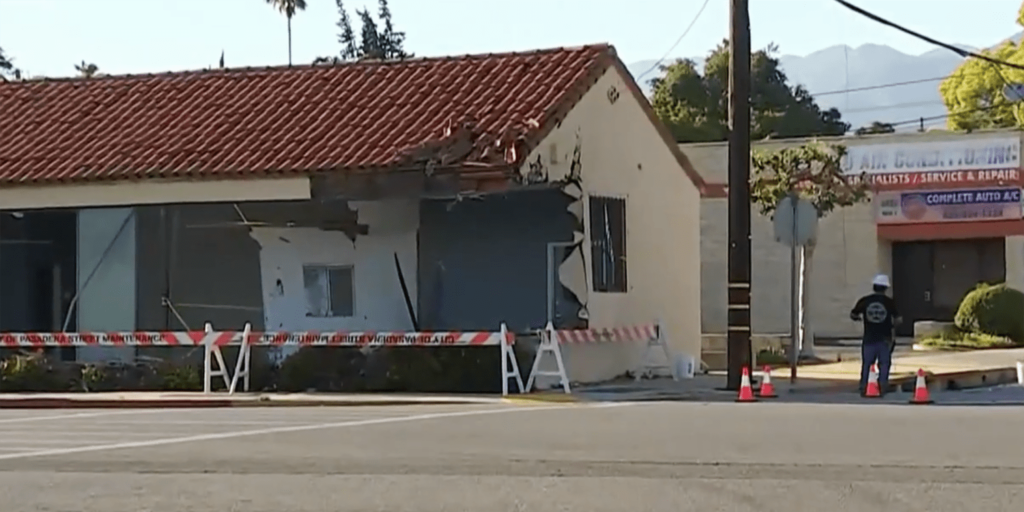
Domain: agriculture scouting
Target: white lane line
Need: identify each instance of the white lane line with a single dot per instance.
(79, 432)
(101, 423)
(285, 430)
(26, 419)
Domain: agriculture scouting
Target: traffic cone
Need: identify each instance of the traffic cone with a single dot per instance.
(921, 396)
(746, 392)
(767, 388)
(872, 390)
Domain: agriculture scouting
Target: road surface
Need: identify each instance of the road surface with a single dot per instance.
(634, 457)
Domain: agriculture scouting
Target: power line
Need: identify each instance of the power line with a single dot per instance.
(892, 106)
(673, 47)
(921, 120)
(881, 86)
(959, 51)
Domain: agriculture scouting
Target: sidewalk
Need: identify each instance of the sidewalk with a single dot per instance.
(952, 370)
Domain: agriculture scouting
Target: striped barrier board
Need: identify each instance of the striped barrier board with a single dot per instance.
(612, 334)
(213, 341)
(106, 339)
(199, 338)
(551, 339)
(378, 339)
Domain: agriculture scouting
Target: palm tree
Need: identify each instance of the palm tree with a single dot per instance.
(289, 8)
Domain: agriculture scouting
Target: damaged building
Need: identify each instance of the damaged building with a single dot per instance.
(450, 193)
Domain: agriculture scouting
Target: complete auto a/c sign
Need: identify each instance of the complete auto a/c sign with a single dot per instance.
(937, 164)
(912, 207)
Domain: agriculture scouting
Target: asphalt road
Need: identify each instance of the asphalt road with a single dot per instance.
(634, 457)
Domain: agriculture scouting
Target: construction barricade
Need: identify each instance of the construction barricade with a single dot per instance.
(652, 336)
(237, 377)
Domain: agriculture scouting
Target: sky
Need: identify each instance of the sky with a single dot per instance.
(48, 37)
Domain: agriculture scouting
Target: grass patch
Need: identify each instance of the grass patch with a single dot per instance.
(954, 339)
(771, 358)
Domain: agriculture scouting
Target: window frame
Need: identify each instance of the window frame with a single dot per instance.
(608, 241)
(328, 269)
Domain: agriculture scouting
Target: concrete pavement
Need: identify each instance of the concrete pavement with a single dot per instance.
(651, 456)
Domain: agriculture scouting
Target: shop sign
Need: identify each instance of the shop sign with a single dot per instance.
(948, 163)
(948, 205)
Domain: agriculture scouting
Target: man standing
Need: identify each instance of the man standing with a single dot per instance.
(879, 314)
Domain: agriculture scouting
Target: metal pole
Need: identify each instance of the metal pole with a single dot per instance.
(739, 348)
(794, 284)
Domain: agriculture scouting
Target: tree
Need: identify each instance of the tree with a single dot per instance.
(973, 94)
(289, 8)
(391, 41)
(814, 172)
(695, 106)
(370, 44)
(377, 39)
(7, 69)
(876, 128)
(347, 36)
(87, 69)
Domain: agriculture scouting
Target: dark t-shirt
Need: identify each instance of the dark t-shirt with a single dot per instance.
(878, 312)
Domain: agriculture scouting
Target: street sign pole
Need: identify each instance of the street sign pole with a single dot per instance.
(794, 304)
(796, 225)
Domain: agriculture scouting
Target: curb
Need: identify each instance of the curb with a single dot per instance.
(71, 403)
(549, 399)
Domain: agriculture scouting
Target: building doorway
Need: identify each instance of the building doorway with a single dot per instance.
(931, 277)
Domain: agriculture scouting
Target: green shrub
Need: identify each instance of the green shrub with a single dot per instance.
(995, 310)
(771, 357)
(394, 369)
(322, 369)
(953, 338)
(180, 377)
(33, 372)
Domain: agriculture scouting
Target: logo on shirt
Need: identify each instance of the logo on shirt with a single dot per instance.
(876, 313)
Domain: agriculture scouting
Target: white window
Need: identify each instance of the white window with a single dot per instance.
(329, 291)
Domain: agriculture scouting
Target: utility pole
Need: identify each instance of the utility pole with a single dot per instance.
(739, 348)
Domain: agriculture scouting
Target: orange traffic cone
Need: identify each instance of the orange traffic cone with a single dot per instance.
(767, 388)
(872, 391)
(921, 390)
(746, 392)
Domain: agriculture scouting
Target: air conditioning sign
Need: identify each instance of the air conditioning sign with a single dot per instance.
(944, 164)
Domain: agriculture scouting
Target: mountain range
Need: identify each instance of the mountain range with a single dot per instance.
(827, 73)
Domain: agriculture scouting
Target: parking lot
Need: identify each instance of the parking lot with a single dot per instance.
(628, 456)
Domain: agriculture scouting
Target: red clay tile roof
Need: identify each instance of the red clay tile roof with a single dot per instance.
(299, 120)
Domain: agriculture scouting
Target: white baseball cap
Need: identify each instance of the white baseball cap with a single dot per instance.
(881, 280)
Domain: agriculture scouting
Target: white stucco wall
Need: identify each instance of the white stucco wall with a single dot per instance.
(624, 156)
(379, 302)
(106, 302)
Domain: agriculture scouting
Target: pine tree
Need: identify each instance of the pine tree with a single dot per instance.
(347, 36)
(392, 42)
(377, 39)
(7, 68)
(370, 45)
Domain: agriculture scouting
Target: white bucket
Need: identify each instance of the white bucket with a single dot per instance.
(1020, 373)
(685, 366)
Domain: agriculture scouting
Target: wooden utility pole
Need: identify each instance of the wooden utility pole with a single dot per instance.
(739, 348)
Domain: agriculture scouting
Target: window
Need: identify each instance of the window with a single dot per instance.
(608, 243)
(329, 291)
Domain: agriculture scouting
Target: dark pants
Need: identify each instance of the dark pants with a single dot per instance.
(870, 352)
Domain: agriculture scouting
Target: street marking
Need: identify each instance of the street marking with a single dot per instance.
(27, 419)
(285, 430)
